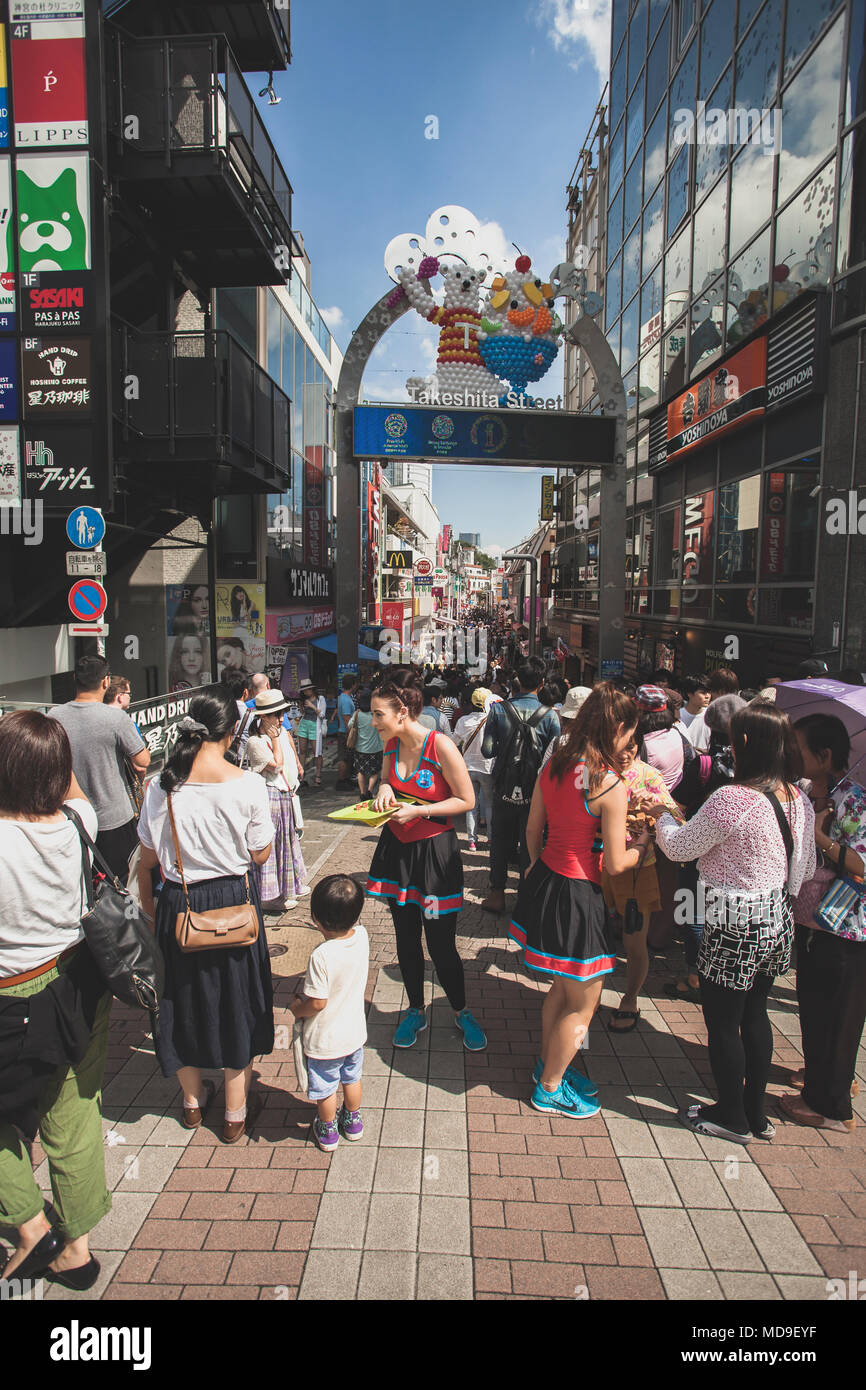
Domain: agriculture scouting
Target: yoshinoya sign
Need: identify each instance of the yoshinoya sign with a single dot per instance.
(487, 436)
(726, 397)
(796, 354)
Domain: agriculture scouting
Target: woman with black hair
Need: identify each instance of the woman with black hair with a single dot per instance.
(831, 967)
(754, 842)
(217, 1010)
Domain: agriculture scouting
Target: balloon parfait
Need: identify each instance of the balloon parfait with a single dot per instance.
(497, 328)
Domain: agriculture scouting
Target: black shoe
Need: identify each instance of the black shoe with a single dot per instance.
(40, 1257)
(80, 1279)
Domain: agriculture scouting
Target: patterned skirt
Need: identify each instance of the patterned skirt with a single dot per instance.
(368, 764)
(745, 934)
(560, 923)
(285, 871)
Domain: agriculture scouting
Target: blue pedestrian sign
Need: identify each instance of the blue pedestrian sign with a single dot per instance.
(85, 528)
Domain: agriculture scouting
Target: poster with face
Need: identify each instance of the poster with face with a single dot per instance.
(187, 609)
(188, 661)
(240, 627)
(52, 230)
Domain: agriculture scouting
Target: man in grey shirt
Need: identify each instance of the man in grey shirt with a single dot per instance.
(102, 737)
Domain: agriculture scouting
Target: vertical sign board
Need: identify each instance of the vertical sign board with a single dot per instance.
(547, 484)
(56, 250)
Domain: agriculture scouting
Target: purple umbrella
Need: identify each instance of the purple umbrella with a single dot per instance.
(826, 696)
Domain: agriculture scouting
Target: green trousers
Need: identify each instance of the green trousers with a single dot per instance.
(70, 1128)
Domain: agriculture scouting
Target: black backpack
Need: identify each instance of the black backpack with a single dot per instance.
(519, 758)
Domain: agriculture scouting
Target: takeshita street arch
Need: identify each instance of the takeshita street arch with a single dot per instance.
(545, 435)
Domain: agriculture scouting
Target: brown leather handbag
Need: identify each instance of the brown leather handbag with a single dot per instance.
(221, 926)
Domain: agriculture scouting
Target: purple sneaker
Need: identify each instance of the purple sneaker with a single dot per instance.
(350, 1124)
(326, 1134)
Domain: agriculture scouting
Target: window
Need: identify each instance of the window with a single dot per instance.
(711, 153)
(620, 17)
(685, 14)
(804, 235)
(655, 147)
(632, 201)
(667, 546)
(237, 311)
(737, 531)
(747, 11)
(851, 249)
(653, 228)
(710, 225)
(757, 69)
(677, 277)
(615, 164)
(636, 41)
(275, 318)
(748, 289)
(650, 309)
(678, 190)
(790, 526)
(855, 84)
(288, 341)
(617, 89)
(634, 122)
(631, 265)
(751, 193)
(657, 70)
(648, 390)
(612, 292)
(682, 94)
(717, 42)
(708, 333)
(630, 329)
(614, 226)
(810, 112)
(804, 22)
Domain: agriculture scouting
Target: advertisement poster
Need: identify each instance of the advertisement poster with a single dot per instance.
(188, 661)
(49, 83)
(8, 379)
(187, 609)
(7, 276)
(240, 627)
(296, 668)
(56, 302)
(57, 376)
(298, 625)
(53, 229)
(4, 93)
(10, 464)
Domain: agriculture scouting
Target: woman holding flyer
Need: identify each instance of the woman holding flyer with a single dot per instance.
(417, 867)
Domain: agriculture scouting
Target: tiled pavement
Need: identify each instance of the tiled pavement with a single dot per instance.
(459, 1189)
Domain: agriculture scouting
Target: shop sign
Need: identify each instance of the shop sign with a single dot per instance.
(796, 355)
(725, 398)
(49, 83)
(547, 486)
(398, 559)
(697, 544)
(773, 553)
(55, 302)
(305, 581)
(282, 628)
(57, 376)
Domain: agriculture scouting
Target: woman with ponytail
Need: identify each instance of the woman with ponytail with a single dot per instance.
(559, 919)
(417, 867)
(217, 1009)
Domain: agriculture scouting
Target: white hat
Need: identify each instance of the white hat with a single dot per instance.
(573, 701)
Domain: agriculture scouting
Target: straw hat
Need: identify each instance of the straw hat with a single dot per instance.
(271, 702)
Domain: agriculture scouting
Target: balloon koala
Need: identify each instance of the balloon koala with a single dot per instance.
(519, 330)
(460, 369)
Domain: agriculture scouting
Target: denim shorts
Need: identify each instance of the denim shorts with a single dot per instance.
(325, 1073)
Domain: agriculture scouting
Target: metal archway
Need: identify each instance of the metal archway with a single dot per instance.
(586, 335)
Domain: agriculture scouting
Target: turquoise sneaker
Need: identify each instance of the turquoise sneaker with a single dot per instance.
(575, 1079)
(474, 1040)
(565, 1101)
(413, 1022)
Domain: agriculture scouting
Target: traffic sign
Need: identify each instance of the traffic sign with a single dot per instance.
(80, 562)
(85, 528)
(87, 629)
(87, 600)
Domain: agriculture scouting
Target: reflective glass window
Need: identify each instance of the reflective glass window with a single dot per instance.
(634, 121)
(649, 380)
(615, 164)
(804, 237)
(748, 290)
(657, 70)
(851, 248)
(667, 546)
(810, 112)
(855, 77)
(653, 231)
(792, 608)
(612, 292)
(655, 151)
(751, 193)
(682, 99)
(790, 526)
(620, 19)
(631, 265)
(651, 308)
(747, 11)
(757, 69)
(708, 333)
(717, 42)
(274, 319)
(630, 331)
(711, 152)
(617, 90)
(658, 8)
(737, 530)
(803, 24)
(678, 190)
(633, 200)
(677, 277)
(710, 225)
(614, 225)
(636, 41)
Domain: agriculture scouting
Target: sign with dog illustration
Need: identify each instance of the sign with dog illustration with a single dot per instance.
(51, 230)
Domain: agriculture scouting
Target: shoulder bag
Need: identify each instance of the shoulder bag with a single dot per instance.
(842, 910)
(219, 927)
(233, 752)
(121, 943)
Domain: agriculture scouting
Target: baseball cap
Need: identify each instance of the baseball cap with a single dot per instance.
(650, 697)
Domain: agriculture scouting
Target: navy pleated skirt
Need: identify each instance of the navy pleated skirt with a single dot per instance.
(218, 1006)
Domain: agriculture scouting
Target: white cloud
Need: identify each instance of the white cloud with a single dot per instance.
(334, 317)
(575, 26)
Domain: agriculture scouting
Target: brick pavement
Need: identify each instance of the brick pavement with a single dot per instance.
(459, 1188)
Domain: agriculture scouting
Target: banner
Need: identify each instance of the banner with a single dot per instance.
(727, 396)
(314, 505)
(297, 625)
(10, 464)
(547, 486)
(7, 271)
(57, 376)
(296, 668)
(240, 627)
(373, 539)
(187, 609)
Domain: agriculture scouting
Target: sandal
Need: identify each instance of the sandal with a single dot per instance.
(634, 1015)
(688, 995)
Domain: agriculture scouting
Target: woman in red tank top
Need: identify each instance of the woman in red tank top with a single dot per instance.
(417, 867)
(559, 919)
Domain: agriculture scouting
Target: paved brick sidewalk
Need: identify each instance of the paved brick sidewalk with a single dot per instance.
(459, 1189)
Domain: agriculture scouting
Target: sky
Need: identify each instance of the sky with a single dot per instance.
(513, 85)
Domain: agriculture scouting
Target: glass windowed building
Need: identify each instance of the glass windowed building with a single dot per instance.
(725, 225)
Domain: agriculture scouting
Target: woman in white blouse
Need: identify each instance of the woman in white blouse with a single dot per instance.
(270, 751)
(217, 1009)
(755, 846)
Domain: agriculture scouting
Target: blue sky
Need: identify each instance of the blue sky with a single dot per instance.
(513, 86)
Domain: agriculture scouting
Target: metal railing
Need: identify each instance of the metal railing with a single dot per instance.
(178, 97)
(200, 386)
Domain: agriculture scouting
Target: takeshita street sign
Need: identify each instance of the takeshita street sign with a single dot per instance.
(461, 435)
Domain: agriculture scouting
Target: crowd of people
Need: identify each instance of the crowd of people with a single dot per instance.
(628, 812)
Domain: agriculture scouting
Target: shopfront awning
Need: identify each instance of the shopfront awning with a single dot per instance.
(329, 644)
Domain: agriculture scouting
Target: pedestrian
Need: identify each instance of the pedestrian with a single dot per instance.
(103, 738)
(572, 703)
(516, 736)
(217, 1008)
(430, 716)
(468, 732)
(723, 681)
(417, 867)
(696, 697)
(559, 920)
(345, 710)
(831, 966)
(754, 842)
(270, 752)
(333, 1008)
(636, 894)
(368, 747)
(45, 961)
(660, 744)
(118, 693)
(309, 731)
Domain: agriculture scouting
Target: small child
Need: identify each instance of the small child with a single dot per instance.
(332, 1003)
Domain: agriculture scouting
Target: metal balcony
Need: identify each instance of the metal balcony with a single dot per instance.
(196, 408)
(189, 147)
(258, 31)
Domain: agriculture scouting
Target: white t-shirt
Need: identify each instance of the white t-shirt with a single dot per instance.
(218, 823)
(699, 734)
(464, 729)
(337, 971)
(42, 900)
(686, 717)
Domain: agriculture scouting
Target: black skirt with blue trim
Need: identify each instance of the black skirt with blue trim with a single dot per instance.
(561, 924)
(426, 872)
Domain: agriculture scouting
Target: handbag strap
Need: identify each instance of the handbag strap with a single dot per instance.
(784, 827)
(179, 859)
(473, 736)
(88, 844)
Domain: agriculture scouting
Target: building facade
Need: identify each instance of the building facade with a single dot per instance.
(723, 202)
